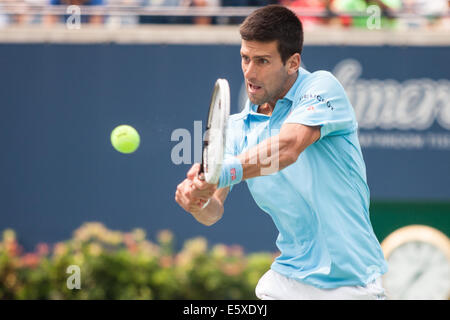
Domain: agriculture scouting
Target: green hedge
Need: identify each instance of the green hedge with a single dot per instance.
(117, 265)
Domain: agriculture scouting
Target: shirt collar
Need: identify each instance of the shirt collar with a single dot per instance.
(290, 95)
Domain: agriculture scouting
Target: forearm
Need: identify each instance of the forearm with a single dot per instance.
(211, 213)
(271, 155)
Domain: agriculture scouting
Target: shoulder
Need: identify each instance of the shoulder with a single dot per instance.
(321, 78)
(319, 83)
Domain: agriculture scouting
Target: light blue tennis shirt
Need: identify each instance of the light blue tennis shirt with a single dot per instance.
(320, 203)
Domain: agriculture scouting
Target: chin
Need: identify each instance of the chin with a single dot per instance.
(255, 100)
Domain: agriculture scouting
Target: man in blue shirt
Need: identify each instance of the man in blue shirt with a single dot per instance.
(296, 145)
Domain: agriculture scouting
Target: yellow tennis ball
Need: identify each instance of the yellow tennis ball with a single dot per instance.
(125, 139)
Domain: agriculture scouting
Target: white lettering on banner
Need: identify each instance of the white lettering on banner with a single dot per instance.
(389, 140)
(438, 140)
(392, 140)
(414, 104)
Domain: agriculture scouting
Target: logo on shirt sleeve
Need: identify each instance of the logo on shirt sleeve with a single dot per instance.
(318, 98)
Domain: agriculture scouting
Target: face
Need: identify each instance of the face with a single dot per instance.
(266, 78)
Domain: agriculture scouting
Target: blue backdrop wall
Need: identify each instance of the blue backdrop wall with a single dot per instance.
(59, 104)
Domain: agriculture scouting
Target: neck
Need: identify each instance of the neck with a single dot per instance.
(268, 107)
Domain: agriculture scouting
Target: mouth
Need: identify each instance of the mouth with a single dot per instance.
(253, 88)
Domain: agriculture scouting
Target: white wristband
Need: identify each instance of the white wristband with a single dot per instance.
(206, 203)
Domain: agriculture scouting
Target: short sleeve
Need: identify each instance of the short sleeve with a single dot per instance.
(323, 102)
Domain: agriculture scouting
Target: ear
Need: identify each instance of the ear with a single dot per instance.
(293, 63)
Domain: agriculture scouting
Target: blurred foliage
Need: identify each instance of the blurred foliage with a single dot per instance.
(117, 265)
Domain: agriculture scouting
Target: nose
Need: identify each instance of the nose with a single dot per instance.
(249, 70)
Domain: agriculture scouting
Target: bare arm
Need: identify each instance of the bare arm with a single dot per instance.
(279, 151)
(193, 193)
(214, 210)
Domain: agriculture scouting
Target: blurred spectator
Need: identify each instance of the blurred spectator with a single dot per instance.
(313, 7)
(206, 20)
(446, 19)
(233, 3)
(345, 12)
(430, 10)
(118, 20)
(243, 3)
(387, 8)
(3, 17)
(18, 18)
(261, 3)
(426, 7)
(144, 19)
(92, 19)
(204, 3)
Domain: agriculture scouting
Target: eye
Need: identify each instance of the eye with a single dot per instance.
(263, 61)
(245, 59)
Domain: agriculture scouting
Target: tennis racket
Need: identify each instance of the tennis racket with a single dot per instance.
(215, 136)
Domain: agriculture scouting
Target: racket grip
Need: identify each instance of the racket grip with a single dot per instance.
(201, 173)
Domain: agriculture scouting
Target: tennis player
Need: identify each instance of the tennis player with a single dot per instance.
(296, 145)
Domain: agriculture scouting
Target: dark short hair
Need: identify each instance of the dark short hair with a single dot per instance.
(275, 22)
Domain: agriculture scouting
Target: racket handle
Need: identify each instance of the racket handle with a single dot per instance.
(201, 173)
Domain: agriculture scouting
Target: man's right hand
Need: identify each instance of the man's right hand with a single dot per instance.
(193, 193)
